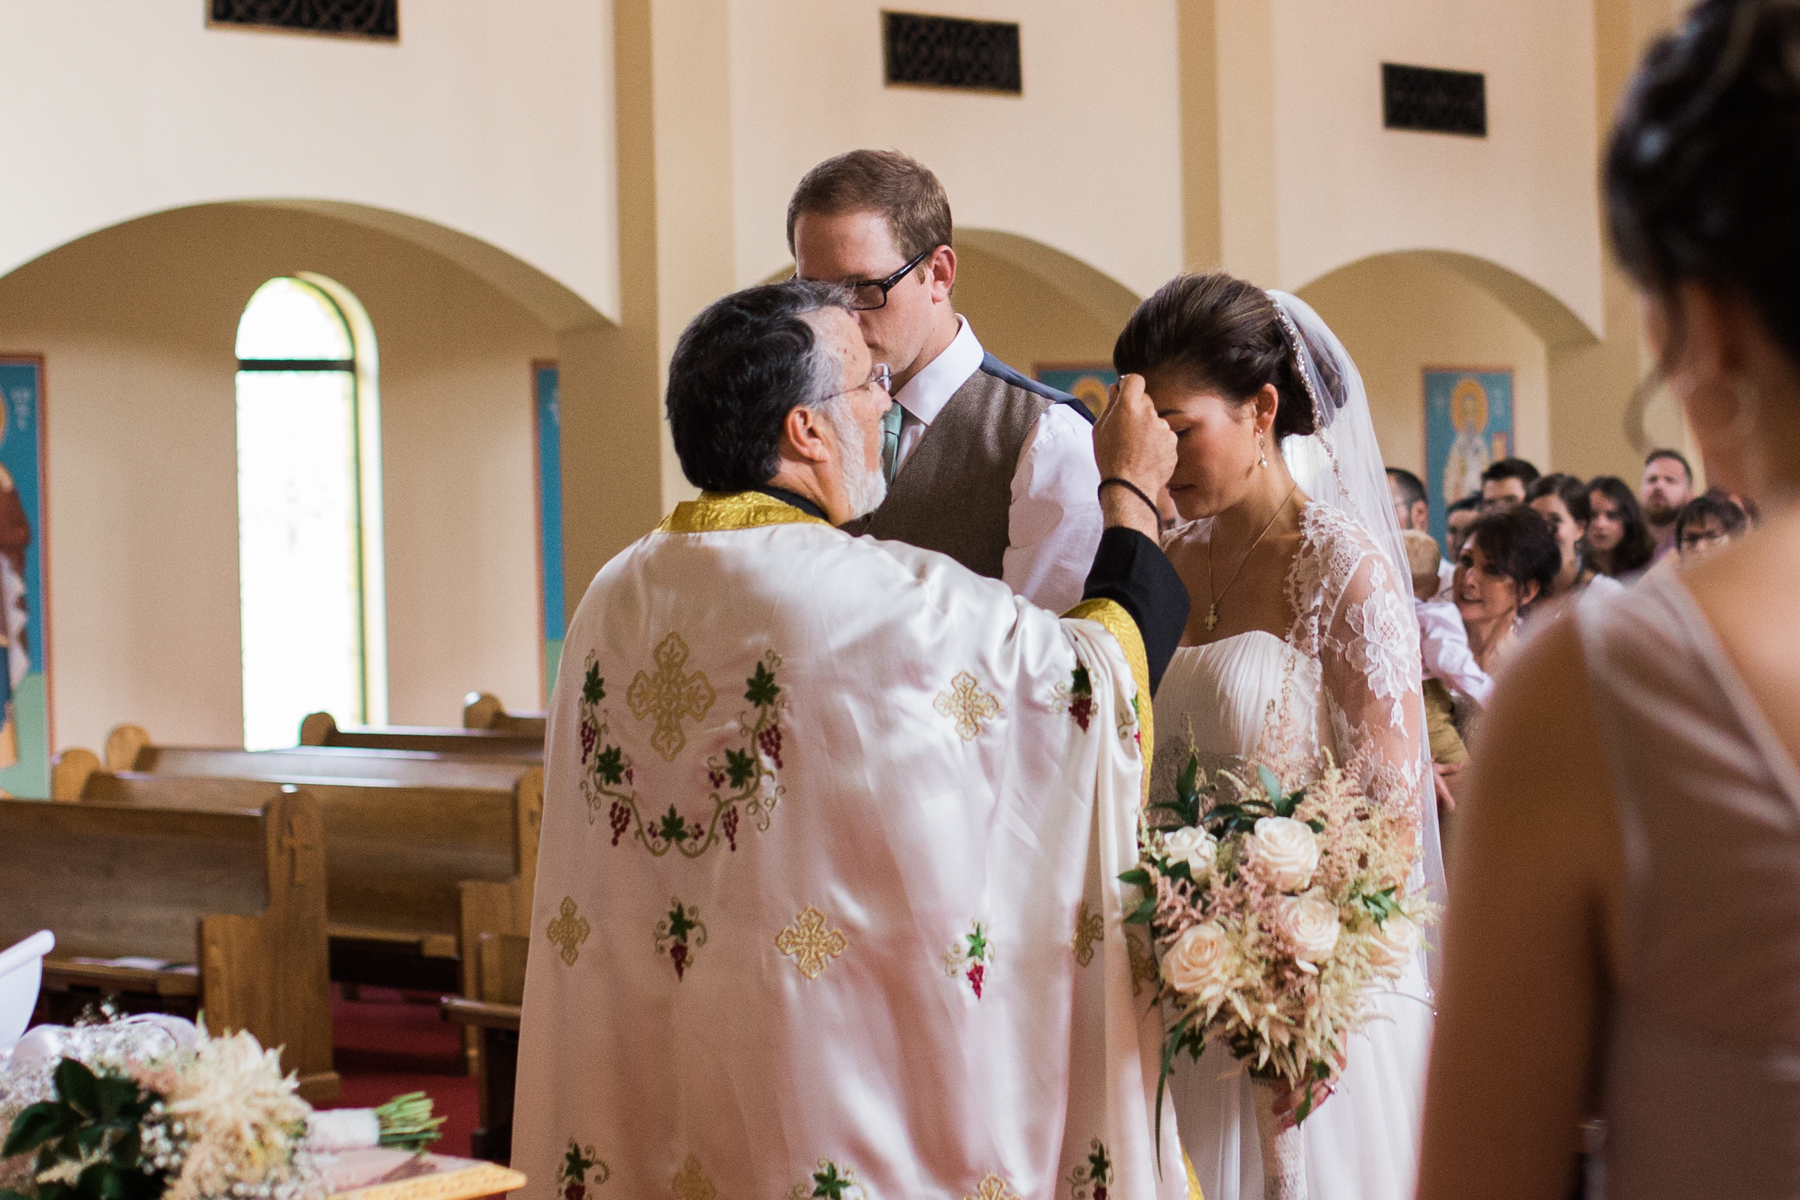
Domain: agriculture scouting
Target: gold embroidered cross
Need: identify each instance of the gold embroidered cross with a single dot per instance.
(568, 931)
(293, 842)
(1088, 930)
(992, 1187)
(669, 696)
(810, 944)
(965, 703)
(691, 1183)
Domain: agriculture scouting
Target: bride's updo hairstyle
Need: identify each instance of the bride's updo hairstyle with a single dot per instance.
(1219, 331)
(1703, 170)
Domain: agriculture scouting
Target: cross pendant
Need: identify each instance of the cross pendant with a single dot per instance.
(1212, 617)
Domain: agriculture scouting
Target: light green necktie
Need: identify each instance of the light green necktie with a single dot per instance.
(890, 440)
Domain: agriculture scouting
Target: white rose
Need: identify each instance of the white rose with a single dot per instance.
(1284, 852)
(1197, 958)
(1193, 846)
(1393, 942)
(1310, 925)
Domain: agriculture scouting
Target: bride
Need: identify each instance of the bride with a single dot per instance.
(1302, 641)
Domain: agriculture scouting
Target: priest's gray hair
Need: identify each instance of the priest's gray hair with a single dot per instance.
(739, 368)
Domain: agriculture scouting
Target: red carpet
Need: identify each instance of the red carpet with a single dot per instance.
(387, 1043)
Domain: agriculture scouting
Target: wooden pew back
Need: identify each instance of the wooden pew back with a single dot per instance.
(321, 729)
(308, 763)
(238, 890)
(483, 710)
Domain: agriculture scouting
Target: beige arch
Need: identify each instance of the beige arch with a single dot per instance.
(1558, 325)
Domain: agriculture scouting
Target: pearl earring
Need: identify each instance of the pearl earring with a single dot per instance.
(1261, 454)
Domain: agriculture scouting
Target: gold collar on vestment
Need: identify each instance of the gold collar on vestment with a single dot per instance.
(718, 512)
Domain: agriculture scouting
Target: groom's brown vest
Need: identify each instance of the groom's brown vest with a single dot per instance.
(953, 491)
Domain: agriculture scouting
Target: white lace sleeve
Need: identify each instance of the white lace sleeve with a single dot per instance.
(1369, 665)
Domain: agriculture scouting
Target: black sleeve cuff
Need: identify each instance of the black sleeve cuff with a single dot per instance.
(1132, 571)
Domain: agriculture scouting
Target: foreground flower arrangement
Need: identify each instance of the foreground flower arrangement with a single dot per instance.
(1277, 916)
(155, 1109)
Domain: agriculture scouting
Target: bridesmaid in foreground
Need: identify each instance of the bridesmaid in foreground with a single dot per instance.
(1624, 931)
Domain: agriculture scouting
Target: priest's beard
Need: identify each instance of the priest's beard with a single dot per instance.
(864, 489)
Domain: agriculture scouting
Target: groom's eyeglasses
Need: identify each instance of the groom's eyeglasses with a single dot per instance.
(880, 377)
(869, 294)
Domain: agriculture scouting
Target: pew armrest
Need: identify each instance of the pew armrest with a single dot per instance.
(179, 980)
(480, 1013)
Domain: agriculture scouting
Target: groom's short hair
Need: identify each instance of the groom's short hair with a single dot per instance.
(739, 368)
(899, 187)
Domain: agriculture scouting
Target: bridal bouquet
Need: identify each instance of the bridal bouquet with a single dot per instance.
(1276, 916)
(155, 1109)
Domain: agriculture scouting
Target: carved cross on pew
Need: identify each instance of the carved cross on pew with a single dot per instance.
(292, 842)
(670, 696)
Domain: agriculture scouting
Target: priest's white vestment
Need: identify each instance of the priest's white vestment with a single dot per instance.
(827, 899)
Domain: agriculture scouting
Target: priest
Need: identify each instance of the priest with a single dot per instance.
(827, 900)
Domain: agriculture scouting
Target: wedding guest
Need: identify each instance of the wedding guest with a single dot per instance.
(1562, 500)
(1508, 563)
(1445, 663)
(981, 463)
(1668, 484)
(1706, 525)
(1504, 482)
(1618, 539)
(1413, 511)
(1457, 519)
(1625, 934)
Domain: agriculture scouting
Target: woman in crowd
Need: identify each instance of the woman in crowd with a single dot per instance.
(1508, 564)
(1625, 937)
(1618, 538)
(1562, 500)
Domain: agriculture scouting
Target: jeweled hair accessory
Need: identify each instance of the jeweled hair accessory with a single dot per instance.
(1303, 366)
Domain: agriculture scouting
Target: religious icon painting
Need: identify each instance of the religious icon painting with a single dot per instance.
(1468, 425)
(25, 734)
(1087, 382)
(547, 419)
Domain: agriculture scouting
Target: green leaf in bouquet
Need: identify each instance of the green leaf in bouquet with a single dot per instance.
(1190, 774)
(78, 1087)
(10, 1194)
(1271, 785)
(1137, 877)
(1142, 914)
(1316, 825)
(36, 1124)
(117, 1097)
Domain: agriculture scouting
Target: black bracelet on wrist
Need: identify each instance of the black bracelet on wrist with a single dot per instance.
(1137, 491)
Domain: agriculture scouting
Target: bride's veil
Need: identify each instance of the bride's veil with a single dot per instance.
(1341, 465)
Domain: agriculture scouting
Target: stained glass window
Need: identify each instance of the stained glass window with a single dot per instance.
(305, 463)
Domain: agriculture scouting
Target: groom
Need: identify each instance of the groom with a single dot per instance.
(828, 900)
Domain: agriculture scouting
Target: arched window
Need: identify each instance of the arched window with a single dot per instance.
(309, 511)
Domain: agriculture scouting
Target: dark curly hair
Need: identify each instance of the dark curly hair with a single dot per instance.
(1570, 490)
(1220, 331)
(739, 368)
(1518, 544)
(1702, 173)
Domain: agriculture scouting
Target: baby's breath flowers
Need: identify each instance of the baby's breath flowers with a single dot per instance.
(1277, 915)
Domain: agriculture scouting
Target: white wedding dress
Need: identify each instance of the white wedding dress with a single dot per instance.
(1345, 679)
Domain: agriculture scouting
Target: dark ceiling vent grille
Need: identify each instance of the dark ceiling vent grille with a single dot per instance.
(1434, 101)
(949, 52)
(354, 18)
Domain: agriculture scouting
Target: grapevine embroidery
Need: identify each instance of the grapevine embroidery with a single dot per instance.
(679, 934)
(572, 1174)
(1091, 1180)
(970, 957)
(744, 779)
(830, 1182)
(1076, 697)
(1089, 928)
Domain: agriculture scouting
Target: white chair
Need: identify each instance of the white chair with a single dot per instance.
(21, 971)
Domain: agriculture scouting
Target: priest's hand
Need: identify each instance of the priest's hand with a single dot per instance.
(1133, 444)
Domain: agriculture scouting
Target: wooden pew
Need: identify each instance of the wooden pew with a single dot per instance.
(238, 892)
(413, 874)
(493, 1014)
(483, 710)
(129, 749)
(321, 729)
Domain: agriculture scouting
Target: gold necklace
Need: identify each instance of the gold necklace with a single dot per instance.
(1212, 610)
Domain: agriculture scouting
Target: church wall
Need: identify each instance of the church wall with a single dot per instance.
(492, 119)
(1021, 320)
(137, 326)
(1087, 160)
(1398, 315)
(1311, 181)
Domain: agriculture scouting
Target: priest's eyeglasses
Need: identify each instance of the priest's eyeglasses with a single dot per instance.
(869, 294)
(880, 377)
